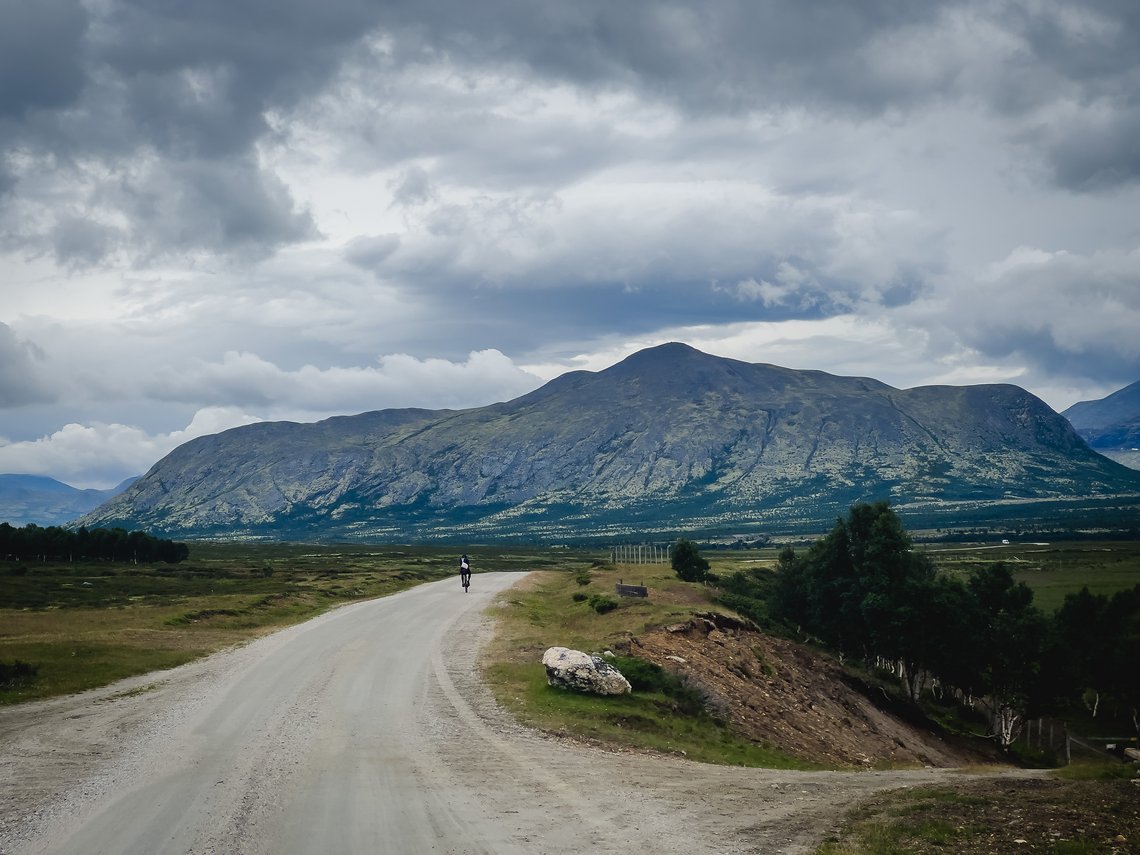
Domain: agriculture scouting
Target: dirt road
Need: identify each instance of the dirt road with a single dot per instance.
(367, 730)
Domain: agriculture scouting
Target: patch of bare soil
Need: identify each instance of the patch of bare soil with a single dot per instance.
(1003, 816)
(782, 694)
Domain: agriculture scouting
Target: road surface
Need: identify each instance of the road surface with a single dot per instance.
(368, 730)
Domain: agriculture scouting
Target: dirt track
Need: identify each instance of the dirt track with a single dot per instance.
(367, 729)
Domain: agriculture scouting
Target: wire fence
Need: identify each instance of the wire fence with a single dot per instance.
(639, 553)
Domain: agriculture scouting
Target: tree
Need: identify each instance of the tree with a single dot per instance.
(1009, 636)
(1124, 619)
(688, 563)
(1083, 648)
(861, 589)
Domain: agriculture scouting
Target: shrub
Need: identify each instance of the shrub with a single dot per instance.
(646, 677)
(602, 604)
(579, 597)
(17, 674)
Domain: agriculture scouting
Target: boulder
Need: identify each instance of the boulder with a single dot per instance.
(581, 672)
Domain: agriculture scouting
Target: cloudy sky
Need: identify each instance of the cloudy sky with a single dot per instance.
(223, 211)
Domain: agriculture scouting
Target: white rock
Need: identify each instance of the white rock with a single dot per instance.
(581, 672)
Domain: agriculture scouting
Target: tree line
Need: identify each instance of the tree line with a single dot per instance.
(33, 543)
(865, 593)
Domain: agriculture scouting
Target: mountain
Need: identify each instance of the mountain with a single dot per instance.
(35, 499)
(1111, 425)
(669, 440)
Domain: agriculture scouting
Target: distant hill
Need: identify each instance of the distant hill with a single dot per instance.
(669, 440)
(36, 499)
(1111, 425)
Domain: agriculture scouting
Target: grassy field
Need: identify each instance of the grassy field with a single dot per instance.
(87, 624)
(1051, 570)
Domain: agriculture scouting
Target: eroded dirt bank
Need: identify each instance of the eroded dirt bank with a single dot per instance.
(783, 694)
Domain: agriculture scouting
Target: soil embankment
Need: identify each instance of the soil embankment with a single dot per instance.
(783, 694)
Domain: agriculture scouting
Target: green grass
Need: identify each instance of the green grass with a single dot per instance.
(1097, 771)
(659, 715)
(908, 820)
(64, 668)
(982, 817)
(649, 720)
(1051, 570)
(84, 625)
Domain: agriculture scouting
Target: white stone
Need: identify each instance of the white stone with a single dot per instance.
(581, 672)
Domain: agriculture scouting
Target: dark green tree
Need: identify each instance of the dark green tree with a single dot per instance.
(860, 589)
(1082, 648)
(687, 562)
(1009, 637)
(790, 597)
(1123, 626)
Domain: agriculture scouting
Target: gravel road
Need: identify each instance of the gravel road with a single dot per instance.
(368, 730)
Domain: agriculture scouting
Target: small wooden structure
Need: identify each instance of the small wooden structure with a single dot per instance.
(624, 590)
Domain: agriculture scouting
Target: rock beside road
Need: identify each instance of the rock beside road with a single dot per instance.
(582, 672)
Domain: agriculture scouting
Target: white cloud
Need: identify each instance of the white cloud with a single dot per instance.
(101, 455)
(397, 380)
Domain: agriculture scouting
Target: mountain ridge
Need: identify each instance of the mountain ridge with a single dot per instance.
(668, 439)
(44, 501)
(1111, 425)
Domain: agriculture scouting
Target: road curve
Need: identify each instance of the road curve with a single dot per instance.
(368, 730)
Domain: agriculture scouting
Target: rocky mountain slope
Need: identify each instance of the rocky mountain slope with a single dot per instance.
(1111, 425)
(35, 499)
(670, 439)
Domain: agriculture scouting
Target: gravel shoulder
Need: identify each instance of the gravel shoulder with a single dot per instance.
(368, 729)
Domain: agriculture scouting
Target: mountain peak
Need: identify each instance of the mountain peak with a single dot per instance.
(670, 354)
(1112, 422)
(670, 439)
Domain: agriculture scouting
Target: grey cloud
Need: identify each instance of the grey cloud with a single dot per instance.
(832, 57)
(724, 55)
(1061, 315)
(716, 55)
(20, 374)
(1091, 41)
(200, 75)
(369, 252)
(187, 84)
(80, 242)
(201, 84)
(219, 206)
(41, 54)
(1095, 153)
(414, 187)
